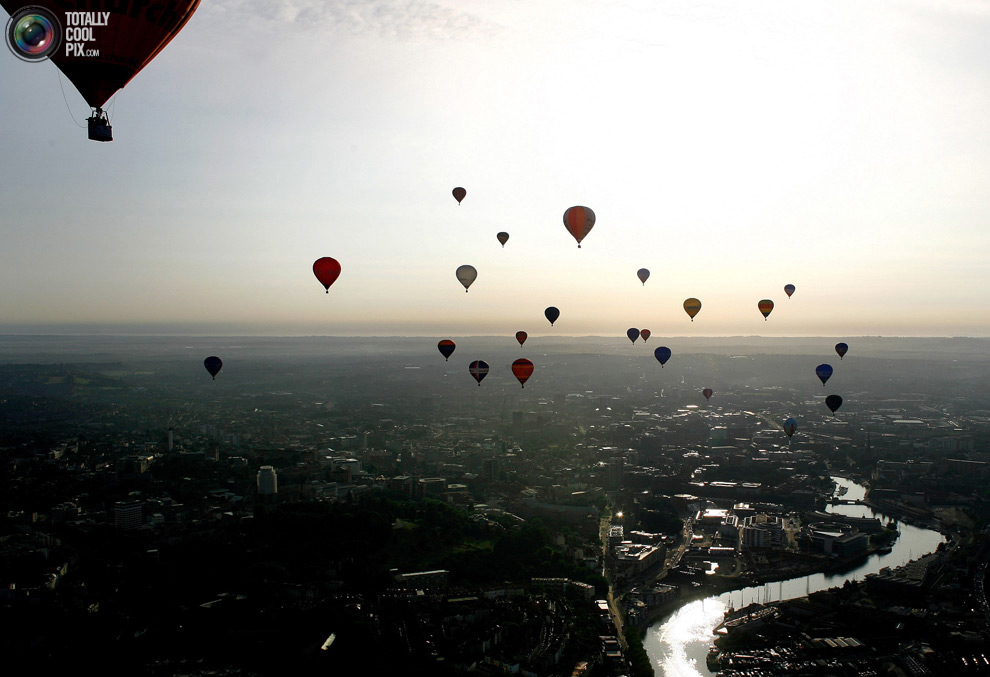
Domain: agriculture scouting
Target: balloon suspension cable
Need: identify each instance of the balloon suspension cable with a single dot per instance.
(59, 75)
(112, 107)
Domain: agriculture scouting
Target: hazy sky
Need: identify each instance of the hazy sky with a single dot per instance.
(729, 147)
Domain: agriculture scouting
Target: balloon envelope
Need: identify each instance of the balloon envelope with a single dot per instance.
(824, 371)
(327, 270)
(790, 425)
(691, 307)
(466, 275)
(765, 306)
(213, 365)
(579, 221)
(479, 370)
(522, 369)
(459, 194)
(521, 336)
(789, 289)
(708, 392)
(833, 402)
(134, 33)
(840, 349)
(551, 314)
(446, 348)
(645, 334)
(503, 237)
(662, 354)
(632, 333)
(643, 274)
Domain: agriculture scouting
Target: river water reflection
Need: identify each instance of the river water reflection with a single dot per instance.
(678, 644)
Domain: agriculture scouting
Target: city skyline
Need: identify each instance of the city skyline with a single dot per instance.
(728, 149)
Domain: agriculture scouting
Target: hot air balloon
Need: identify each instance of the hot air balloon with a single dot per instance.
(459, 194)
(102, 55)
(466, 275)
(327, 270)
(643, 274)
(840, 349)
(446, 348)
(579, 221)
(789, 289)
(691, 307)
(502, 237)
(645, 334)
(833, 402)
(213, 365)
(632, 333)
(521, 336)
(708, 392)
(522, 369)
(662, 354)
(765, 306)
(479, 370)
(824, 371)
(790, 425)
(551, 314)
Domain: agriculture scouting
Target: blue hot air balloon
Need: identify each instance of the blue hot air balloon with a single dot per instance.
(823, 371)
(840, 349)
(790, 425)
(551, 314)
(213, 365)
(632, 333)
(479, 370)
(662, 354)
(833, 402)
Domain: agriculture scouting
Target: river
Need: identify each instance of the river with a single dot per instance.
(678, 644)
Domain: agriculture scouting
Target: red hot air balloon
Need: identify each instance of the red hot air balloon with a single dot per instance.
(765, 306)
(327, 270)
(502, 237)
(579, 221)
(459, 194)
(521, 336)
(632, 333)
(479, 370)
(213, 365)
(645, 334)
(446, 348)
(708, 392)
(522, 369)
(99, 52)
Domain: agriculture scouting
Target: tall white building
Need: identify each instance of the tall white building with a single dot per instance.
(267, 481)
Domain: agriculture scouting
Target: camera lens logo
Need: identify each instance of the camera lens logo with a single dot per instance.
(33, 33)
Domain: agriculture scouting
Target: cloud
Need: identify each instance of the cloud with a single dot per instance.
(393, 19)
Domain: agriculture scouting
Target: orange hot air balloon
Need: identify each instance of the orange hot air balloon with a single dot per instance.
(99, 52)
(327, 270)
(645, 334)
(765, 306)
(708, 392)
(522, 369)
(459, 194)
(691, 307)
(521, 336)
(579, 221)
